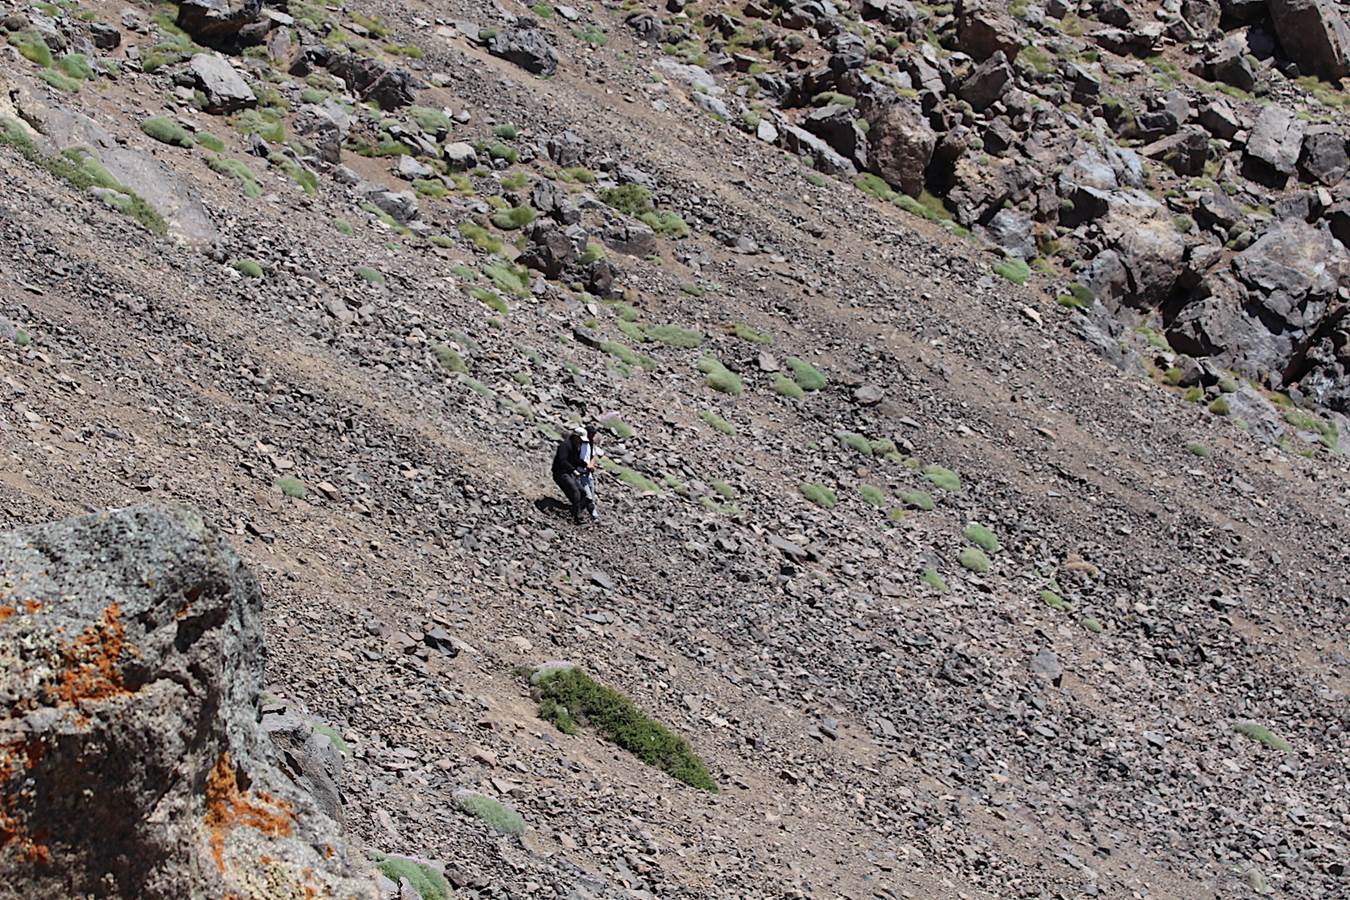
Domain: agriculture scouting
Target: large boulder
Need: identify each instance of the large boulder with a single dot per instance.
(631, 238)
(980, 190)
(1185, 152)
(324, 127)
(550, 249)
(1219, 119)
(1243, 11)
(901, 144)
(1228, 63)
(1091, 178)
(1313, 34)
(527, 47)
(1217, 323)
(987, 82)
(1293, 270)
(369, 79)
(401, 206)
(823, 157)
(1202, 15)
(1324, 158)
(1012, 230)
(1143, 234)
(984, 28)
(217, 21)
(131, 762)
(224, 89)
(1274, 145)
(1321, 365)
(837, 126)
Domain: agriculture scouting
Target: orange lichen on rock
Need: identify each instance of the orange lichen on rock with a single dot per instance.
(229, 807)
(7, 612)
(15, 758)
(93, 669)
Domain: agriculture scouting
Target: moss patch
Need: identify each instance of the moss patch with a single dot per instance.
(717, 423)
(167, 131)
(807, 376)
(720, 378)
(982, 537)
(429, 884)
(1263, 735)
(571, 699)
(502, 818)
(942, 477)
(820, 495)
(974, 560)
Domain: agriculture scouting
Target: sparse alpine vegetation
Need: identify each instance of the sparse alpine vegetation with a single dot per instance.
(429, 883)
(807, 376)
(292, 487)
(820, 495)
(572, 700)
(974, 560)
(720, 378)
(500, 817)
(942, 477)
(1263, 735)
(167, 131)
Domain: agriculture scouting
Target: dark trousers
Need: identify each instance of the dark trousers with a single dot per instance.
(571, 488)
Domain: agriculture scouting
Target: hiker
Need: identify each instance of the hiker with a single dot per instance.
(568, 469)
(590, 456)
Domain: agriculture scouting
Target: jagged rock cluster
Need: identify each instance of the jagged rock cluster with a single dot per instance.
(1072, 132)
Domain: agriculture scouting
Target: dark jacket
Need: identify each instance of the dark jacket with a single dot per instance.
(567, 458)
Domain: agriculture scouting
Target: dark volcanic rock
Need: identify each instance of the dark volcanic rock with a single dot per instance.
(1295, 268)
(1217, 324)
(822, 155)
(1321, 366)
(1228, 63)
(223, 87)
(131, 663)
(1324, 158)
(1314, 35)
(987, 82)
(984, 28)
(1203, 15)
(213, 21)
(1011, 229)
(549, 249)
(836, 125)
(1275, 144)
(527, 48)
(1243, 11)
(901, 145)
(371, 79)
(1185, 151)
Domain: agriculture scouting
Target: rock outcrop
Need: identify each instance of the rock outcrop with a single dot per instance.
(131, 762)
(1313, 33)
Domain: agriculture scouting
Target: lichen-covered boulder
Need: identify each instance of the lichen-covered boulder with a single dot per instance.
(131, 762)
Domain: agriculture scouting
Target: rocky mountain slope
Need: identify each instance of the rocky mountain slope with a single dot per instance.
(974, 502)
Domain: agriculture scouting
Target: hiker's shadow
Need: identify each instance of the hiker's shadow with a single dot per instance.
(552, 506)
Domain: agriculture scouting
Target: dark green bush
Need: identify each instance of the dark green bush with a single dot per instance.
(571, 699)
(630, 199)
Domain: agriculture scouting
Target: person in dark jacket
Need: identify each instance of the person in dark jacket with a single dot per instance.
(568, 469)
